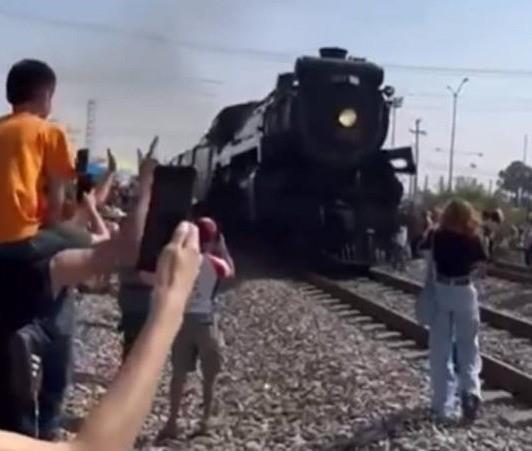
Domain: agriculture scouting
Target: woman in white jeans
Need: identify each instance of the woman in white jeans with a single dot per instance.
(457, 249)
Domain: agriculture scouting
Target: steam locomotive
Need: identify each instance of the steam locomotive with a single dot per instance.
(306, 163)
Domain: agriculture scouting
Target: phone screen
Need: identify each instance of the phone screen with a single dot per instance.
(171, 202)
(82, 161)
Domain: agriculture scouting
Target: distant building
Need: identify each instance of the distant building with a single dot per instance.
(466, 182)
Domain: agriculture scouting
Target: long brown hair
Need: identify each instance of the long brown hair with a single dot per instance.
(461, 217)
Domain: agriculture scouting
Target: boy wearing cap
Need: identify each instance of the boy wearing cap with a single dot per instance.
(198, 338)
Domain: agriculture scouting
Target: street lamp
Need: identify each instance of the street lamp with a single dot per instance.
(455, 94)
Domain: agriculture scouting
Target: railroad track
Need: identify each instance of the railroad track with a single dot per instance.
(510, 271)
(371, 298)
(518, 326)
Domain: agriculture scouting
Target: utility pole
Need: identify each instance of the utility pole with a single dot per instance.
(455, 94)
(395, 103)
(417, 132)
(90, 125)
(525, 149)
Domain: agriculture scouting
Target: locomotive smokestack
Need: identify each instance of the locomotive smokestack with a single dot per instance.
(333, 52)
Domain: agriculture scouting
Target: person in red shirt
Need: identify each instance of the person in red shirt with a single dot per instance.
(199, 336)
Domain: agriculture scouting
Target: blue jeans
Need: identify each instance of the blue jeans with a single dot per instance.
(456, 319)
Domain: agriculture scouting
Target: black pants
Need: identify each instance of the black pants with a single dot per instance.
(28, 302)
(134, 302)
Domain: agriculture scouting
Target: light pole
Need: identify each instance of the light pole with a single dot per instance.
(455, 94)
(525, 149)
(417, 132)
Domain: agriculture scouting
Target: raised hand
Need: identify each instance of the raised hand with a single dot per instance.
(111, 162)
(148, 165)
(140, 157)
(153, 146)
(89, 200)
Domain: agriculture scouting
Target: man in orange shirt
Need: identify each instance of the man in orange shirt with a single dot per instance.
(34, 153)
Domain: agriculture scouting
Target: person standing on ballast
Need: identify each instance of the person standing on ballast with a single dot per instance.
(457, 250)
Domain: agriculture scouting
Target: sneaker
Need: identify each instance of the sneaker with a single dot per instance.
(470, 406)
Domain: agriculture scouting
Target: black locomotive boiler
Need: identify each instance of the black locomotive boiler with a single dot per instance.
(306, 163)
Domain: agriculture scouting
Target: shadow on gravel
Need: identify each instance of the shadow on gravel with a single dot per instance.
(254, 261)
(72, 424)
(97, 325)
(386, 428)
(517, 300)
(81, 377)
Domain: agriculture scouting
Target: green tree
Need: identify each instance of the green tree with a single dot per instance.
(516, 180)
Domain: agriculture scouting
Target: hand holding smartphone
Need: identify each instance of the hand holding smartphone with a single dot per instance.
(171, 202)
(82, 161)
(85, 182)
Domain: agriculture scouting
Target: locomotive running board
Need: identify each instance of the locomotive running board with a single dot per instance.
(402, 160)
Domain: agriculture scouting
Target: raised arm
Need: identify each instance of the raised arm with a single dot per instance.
(116, 421)
(73, 266)
(114, 424)
(222, 252)
(103, 189)
(98, 229)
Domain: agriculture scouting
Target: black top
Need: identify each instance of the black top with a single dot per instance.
(455, 254)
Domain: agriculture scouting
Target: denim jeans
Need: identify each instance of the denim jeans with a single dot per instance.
(456, 319)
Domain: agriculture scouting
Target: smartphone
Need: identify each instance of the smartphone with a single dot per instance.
(82, 161)
(85, 184)
(171, 202)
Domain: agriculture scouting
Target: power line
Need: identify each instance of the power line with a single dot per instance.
(457, 70)
(267, 54)
(284, 57)
(85, 26)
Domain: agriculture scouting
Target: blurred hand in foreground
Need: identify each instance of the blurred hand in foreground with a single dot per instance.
(177, 269)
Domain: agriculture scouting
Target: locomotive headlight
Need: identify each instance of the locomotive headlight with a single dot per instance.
(347, 118)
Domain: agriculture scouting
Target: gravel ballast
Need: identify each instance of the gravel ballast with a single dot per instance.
(296, 376)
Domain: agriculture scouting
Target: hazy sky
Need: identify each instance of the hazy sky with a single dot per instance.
(167, 66)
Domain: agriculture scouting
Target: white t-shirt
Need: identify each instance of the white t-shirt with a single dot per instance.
(201, 299)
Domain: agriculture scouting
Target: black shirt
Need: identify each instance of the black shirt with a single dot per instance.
(455, 254)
